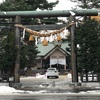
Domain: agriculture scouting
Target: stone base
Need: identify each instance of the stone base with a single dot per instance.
(75, 84)
(4, 83)
(16, 85)
(45, 84)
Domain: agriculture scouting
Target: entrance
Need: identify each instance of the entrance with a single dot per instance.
(59, 67)
(86, 12)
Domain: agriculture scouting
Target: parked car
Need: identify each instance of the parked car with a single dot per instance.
(52, 72)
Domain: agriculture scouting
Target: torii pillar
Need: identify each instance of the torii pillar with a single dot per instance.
(73, 51)
(17, 61)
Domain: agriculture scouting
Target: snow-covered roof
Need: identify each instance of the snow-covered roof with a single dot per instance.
(45, 49)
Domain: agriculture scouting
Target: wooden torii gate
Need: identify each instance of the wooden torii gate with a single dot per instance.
(37, 14)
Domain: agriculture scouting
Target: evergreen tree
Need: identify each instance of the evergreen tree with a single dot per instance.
(26, 5)
(7, 53)
(87, 3)
(88, 39)
(28, 54)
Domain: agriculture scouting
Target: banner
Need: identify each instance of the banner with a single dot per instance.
(57, 61)
(62, 61)
(53, 61)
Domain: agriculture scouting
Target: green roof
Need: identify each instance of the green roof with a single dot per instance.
(45, 49)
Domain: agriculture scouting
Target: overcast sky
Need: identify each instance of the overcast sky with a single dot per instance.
(64, 5)
(1, 1)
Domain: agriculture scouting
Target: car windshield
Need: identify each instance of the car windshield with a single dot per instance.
(51, 69)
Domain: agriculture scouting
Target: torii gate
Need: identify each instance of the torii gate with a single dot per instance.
(37, 14)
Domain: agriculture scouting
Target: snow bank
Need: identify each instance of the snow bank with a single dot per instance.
(6, 90)
(38, 75)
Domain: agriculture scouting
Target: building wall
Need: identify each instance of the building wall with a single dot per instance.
(57, 54)
(39, 63)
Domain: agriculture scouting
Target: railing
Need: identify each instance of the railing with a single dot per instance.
(89, 77)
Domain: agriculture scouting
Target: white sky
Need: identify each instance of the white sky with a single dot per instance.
(1, 1)
(64, 4)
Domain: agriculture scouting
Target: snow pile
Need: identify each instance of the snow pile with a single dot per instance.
(6, 90)
(69, 75)
(38, 75)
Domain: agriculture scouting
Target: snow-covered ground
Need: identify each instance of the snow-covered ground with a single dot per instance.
(6, 90)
